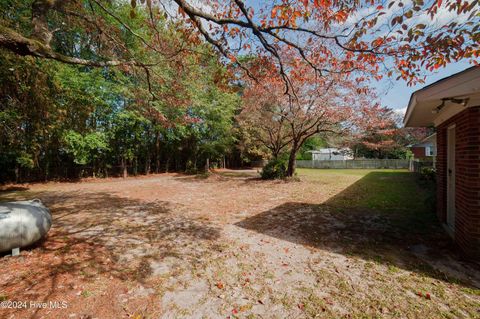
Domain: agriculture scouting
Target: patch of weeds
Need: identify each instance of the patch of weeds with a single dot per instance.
(321, 275)
(245, 307)
(447, 315)
(369, 265)
(293, 179)
(86, 293)
(378, 259)
(350, 251)
(3, 297)
(185, 313)
(269, 275)
(429, 271)
(364, 316)
(471, 291)
(406, 279)
(439, 291)
(342, 285)
(143, 270)
(286, 300)
(314, 305)
(203, 175)
(455, 313)
(87, 274)
(219, 247)
(393, 269)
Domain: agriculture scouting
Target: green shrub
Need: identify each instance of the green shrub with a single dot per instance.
(428, 173)
(276, 168)
(190, 168)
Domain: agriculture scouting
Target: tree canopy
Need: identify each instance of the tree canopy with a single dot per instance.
(148, 85)
(68, 120)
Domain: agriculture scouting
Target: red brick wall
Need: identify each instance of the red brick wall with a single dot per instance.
(467, 183)
(418, 152)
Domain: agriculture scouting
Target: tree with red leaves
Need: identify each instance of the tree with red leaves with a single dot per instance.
(354, 36)
(376, 133)
(317, 105)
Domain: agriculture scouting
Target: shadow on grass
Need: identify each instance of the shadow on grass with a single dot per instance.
(102, 234)
(384, 217)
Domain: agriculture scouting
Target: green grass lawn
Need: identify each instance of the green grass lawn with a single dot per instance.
(399, 196)
(381, 189)
(314, 172)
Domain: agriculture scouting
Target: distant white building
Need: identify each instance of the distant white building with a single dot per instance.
(426, 148)
(332, 154)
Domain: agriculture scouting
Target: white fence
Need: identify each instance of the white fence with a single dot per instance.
(416, 165)
(358, 163)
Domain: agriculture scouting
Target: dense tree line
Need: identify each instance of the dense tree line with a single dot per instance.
(67, 121)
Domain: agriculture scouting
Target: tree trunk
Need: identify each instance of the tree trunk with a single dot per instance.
(275, 154)
(124, 168)
(147, 164)
(291, 160)
(207, 165)
(157, 153)
(47, 166)
(17, 175)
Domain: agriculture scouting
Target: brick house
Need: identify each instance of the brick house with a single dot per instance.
(426, 148)
(452, 105)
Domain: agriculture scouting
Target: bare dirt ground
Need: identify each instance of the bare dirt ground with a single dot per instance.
(227, 246)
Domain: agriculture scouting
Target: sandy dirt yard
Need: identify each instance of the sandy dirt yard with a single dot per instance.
(332, 244)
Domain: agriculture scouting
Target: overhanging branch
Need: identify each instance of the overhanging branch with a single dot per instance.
(18, 44)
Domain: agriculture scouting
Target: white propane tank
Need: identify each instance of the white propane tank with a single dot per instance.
(23, 223)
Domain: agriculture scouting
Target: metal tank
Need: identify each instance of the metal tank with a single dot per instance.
(22, 223)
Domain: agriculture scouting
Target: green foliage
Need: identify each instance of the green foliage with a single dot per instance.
(59, 120)
(397, 152)
(310, 144)
(25, 160)
(408, 154)
(428, 173)
(127, 134)
(85, 149)
(275, 169)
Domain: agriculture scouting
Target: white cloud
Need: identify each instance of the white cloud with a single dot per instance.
(401, 111)
(441, 18)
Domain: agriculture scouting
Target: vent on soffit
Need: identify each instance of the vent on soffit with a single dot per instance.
(462, 102)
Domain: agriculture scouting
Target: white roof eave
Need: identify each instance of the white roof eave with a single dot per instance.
(422, 102)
